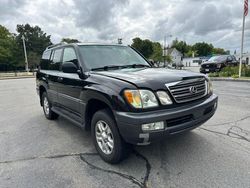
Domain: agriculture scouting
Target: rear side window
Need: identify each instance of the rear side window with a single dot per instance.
(51, 60)
(55, 60)
(44, 64)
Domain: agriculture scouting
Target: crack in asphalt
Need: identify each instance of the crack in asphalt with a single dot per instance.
(134, 180)
(233, 132)
(41, 157)
(231, 122)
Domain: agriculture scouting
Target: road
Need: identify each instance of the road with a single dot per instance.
(36, 152)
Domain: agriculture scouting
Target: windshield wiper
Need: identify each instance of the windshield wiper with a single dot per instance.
(119, 67)
(108, 67)
(136, 65)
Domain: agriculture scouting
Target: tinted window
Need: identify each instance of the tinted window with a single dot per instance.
(229, 58)
(44, 64)
(70, 55)
(218, 58)
(100, 56)
(57, 56)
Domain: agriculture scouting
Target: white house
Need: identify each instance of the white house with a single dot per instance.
(246, 57)
(174, 54)
(191, 61)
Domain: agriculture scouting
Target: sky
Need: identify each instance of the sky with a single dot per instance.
(214, 21)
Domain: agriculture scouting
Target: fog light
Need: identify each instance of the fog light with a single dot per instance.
(153, 126)
(215, 105)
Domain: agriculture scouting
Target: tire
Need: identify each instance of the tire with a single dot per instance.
(49, 114)
(120, 149)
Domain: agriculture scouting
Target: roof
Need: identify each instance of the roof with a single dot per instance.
(81, 44)
(170, 50)
(98, 44)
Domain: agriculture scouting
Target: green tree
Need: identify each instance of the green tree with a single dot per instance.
(219, 51)
(69, 40)
(36, 39)
(169, 59)
(33, 59)
(181, 46)
(145, 47)
(7, 49)
(157, 52)
(203, 49)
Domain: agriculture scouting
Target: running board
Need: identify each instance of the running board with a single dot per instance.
(67, 115)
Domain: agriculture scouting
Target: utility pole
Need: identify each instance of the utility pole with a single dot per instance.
(164, 48)
(242, 42)
(25, 55)
(245, 12)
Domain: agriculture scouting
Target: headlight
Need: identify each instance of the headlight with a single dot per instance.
(209, 86)
(164, 98)
(141, 98)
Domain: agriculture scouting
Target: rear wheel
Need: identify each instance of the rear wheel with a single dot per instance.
(49, 114)
(107, 139)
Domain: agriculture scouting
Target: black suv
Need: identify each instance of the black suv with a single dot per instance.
(217, 63)
(116, 93)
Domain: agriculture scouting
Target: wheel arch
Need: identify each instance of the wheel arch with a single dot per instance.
(41, 90)
(94, 105)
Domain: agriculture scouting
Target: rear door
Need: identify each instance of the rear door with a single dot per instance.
(49, 69)
(70, 85)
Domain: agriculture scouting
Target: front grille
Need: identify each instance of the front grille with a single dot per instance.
(179, 120)
(188, 90)
(207, 66)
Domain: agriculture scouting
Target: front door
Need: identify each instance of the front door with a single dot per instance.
(70, 85)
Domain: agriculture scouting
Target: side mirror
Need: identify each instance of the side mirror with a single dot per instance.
(69, 67)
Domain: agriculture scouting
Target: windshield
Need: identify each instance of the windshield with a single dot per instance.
(97, 56)
(218, 58)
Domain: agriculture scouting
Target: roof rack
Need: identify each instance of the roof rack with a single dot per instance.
(54, 45)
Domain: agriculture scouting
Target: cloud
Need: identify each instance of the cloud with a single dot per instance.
(8, 7)
(213, 21)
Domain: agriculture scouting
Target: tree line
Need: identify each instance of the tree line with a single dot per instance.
(11, 46)
(12, 53)
(154, 50)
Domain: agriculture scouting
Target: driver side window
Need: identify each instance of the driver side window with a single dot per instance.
(69, 55)
(230, 58)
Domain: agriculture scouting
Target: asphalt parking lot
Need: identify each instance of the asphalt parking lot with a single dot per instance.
(36, 152)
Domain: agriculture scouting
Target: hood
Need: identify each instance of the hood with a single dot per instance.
(153, 78)
(209, 62)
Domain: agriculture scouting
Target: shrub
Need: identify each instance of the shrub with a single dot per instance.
(234, 71)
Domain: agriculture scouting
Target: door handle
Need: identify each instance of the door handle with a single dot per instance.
(60, 79)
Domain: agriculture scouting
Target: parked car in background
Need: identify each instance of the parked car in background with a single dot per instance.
(217, 63)
(177, 65)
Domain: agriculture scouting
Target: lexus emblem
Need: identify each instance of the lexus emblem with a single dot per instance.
(193, 89)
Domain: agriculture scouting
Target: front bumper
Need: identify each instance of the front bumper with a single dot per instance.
(176, 120)
(208, 70)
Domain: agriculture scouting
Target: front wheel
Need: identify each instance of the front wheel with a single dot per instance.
(107, 139)
(49, 114)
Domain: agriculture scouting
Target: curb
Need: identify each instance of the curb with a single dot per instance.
(17, 77)
(229, 79)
